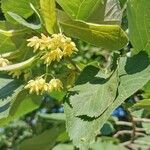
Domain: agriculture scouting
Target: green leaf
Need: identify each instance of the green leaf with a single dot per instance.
(107, 129)
(11, 33)
(6, 43)
(9, 89)
(134, 74)
(63, 147)
(23, 104)
(53, 117)
(93, 97)
(80, 131)
(46, 140)
(23, 22)
(139, 32)
(146, 126)
(138, 113)
(143, 104)
(144, 139)
(89, 71)
(122, 3)
(108, 12)
(36, 24)
(79, 9)
(111, 37)
(63, 137)
(21, 7)
(17, 66)
(147, 90)
(21, 53)
(100, 11)
(106, 145)
(11, 36)
(143, 142)
(48, 12)
(58, 95)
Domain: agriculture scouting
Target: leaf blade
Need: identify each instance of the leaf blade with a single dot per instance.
(95, 96)
(82, 130)
(49, 15)
(139, 32)
(111, 37)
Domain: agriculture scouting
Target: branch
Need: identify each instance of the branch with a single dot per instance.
(128, 132)
(124, 123)
(141, 120)
(133, 124)
(134, 144)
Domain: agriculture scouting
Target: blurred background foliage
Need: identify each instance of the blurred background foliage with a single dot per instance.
(44, 128)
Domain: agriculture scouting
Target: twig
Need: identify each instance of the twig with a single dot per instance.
(140, 129)
(123, 123)
(75, 66)
(132, 145)
(141, 120)
(128, 132)
(141, 143)
(126, 143)
(133, 124)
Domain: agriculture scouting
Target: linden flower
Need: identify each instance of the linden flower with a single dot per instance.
(57, 40)
(34, 42)
(69, 48)
(52, 56)
(15, 73)
(57, 43)
(45, 42)
(55, 85)
(38, 86)
(4, 62)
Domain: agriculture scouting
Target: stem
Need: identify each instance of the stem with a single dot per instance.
(128, 132)
(129, 124)
(133, 124)
(46, 74)
(73, 63)
(131, 145)
(141, 120)
(49, 74)
(124, 123)
(141, 143)
(140, 130)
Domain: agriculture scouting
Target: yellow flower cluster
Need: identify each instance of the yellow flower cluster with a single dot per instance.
(15, 73)
(55, 85)
(39, 43)
(4, 62)
(39, 85)
(52, 56)
(18, 73)
(56, 46)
